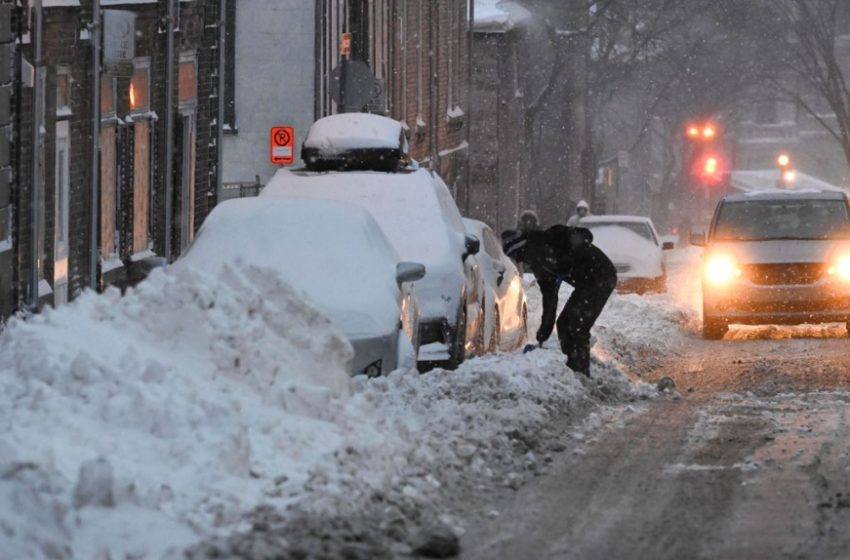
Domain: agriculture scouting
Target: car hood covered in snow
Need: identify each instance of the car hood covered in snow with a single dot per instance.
(417, 214)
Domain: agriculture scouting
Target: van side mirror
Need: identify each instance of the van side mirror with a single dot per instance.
(698, 239)
(409, 272)
(668, 246)
(473, 245)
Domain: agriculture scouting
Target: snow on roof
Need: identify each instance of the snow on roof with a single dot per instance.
(498, 16)
(347, 131)
(765, 180)
(332, 252)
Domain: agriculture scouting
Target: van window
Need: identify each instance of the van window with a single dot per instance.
(761, 220)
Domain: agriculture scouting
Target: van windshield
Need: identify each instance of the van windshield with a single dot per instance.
(762, 220)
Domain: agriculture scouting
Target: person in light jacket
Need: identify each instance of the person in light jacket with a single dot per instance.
(582, 211)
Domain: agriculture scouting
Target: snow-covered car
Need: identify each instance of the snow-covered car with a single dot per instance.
(505, 305)
(776, 257)
(417, 213)
(336, 256)
(633, 245)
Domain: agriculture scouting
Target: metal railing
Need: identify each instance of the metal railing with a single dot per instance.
(240, 189)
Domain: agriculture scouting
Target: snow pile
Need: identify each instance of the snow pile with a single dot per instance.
(130, 425)
(216, 414)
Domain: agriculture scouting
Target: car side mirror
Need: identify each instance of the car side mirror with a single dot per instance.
(668, 246)
(409, 272)
(698, 239)
(473, 245)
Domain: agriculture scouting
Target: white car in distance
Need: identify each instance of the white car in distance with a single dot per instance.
(632, 244)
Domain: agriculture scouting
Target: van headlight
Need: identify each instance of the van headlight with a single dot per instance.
(721, 270)
(840, 268)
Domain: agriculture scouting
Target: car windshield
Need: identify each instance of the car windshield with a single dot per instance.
(640, 228)
(760, 220)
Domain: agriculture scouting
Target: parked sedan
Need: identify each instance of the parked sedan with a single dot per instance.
(505, 305)
(336, 256)
(632, 244)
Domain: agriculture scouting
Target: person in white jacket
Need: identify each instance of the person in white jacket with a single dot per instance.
(582, 210)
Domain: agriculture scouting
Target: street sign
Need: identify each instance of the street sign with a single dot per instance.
(345, 44)
(283, 145)
(119, 42)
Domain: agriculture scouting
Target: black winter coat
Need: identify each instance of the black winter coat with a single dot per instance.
(563, 253)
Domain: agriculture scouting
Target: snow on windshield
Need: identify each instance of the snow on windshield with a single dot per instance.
(624, 246)
(753, 220)
(334, 253)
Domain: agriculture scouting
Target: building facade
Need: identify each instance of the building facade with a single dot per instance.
(499, 190)
(270, 81)
(113, 162)
(417, 51)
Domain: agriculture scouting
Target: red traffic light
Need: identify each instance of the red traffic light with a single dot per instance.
(709, 169)
(702, 132)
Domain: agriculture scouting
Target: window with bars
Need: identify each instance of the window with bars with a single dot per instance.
(109, 198)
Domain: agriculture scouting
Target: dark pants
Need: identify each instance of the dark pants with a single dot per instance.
(577, 318)
(549, 290)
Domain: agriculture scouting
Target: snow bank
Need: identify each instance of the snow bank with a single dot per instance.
(130, 426)
(215, 413)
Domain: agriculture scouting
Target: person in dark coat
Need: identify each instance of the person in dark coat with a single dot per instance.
(563, 253)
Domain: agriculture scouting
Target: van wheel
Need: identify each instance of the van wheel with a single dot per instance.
(713, 328)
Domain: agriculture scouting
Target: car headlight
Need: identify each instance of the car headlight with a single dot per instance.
(721, 269)
(840, 268)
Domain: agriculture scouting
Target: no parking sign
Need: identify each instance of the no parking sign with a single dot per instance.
(283, 145)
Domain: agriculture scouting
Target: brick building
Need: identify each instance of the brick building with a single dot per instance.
(418, 52)
(8, 116)
(499, 180)
(91, 196)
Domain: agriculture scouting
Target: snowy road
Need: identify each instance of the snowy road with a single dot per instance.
(751, 461)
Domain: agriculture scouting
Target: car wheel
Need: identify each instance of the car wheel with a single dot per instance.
(495, 332)
(712, 327)
(458, 348)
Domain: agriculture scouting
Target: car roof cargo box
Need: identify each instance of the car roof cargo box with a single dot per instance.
(355, 142)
